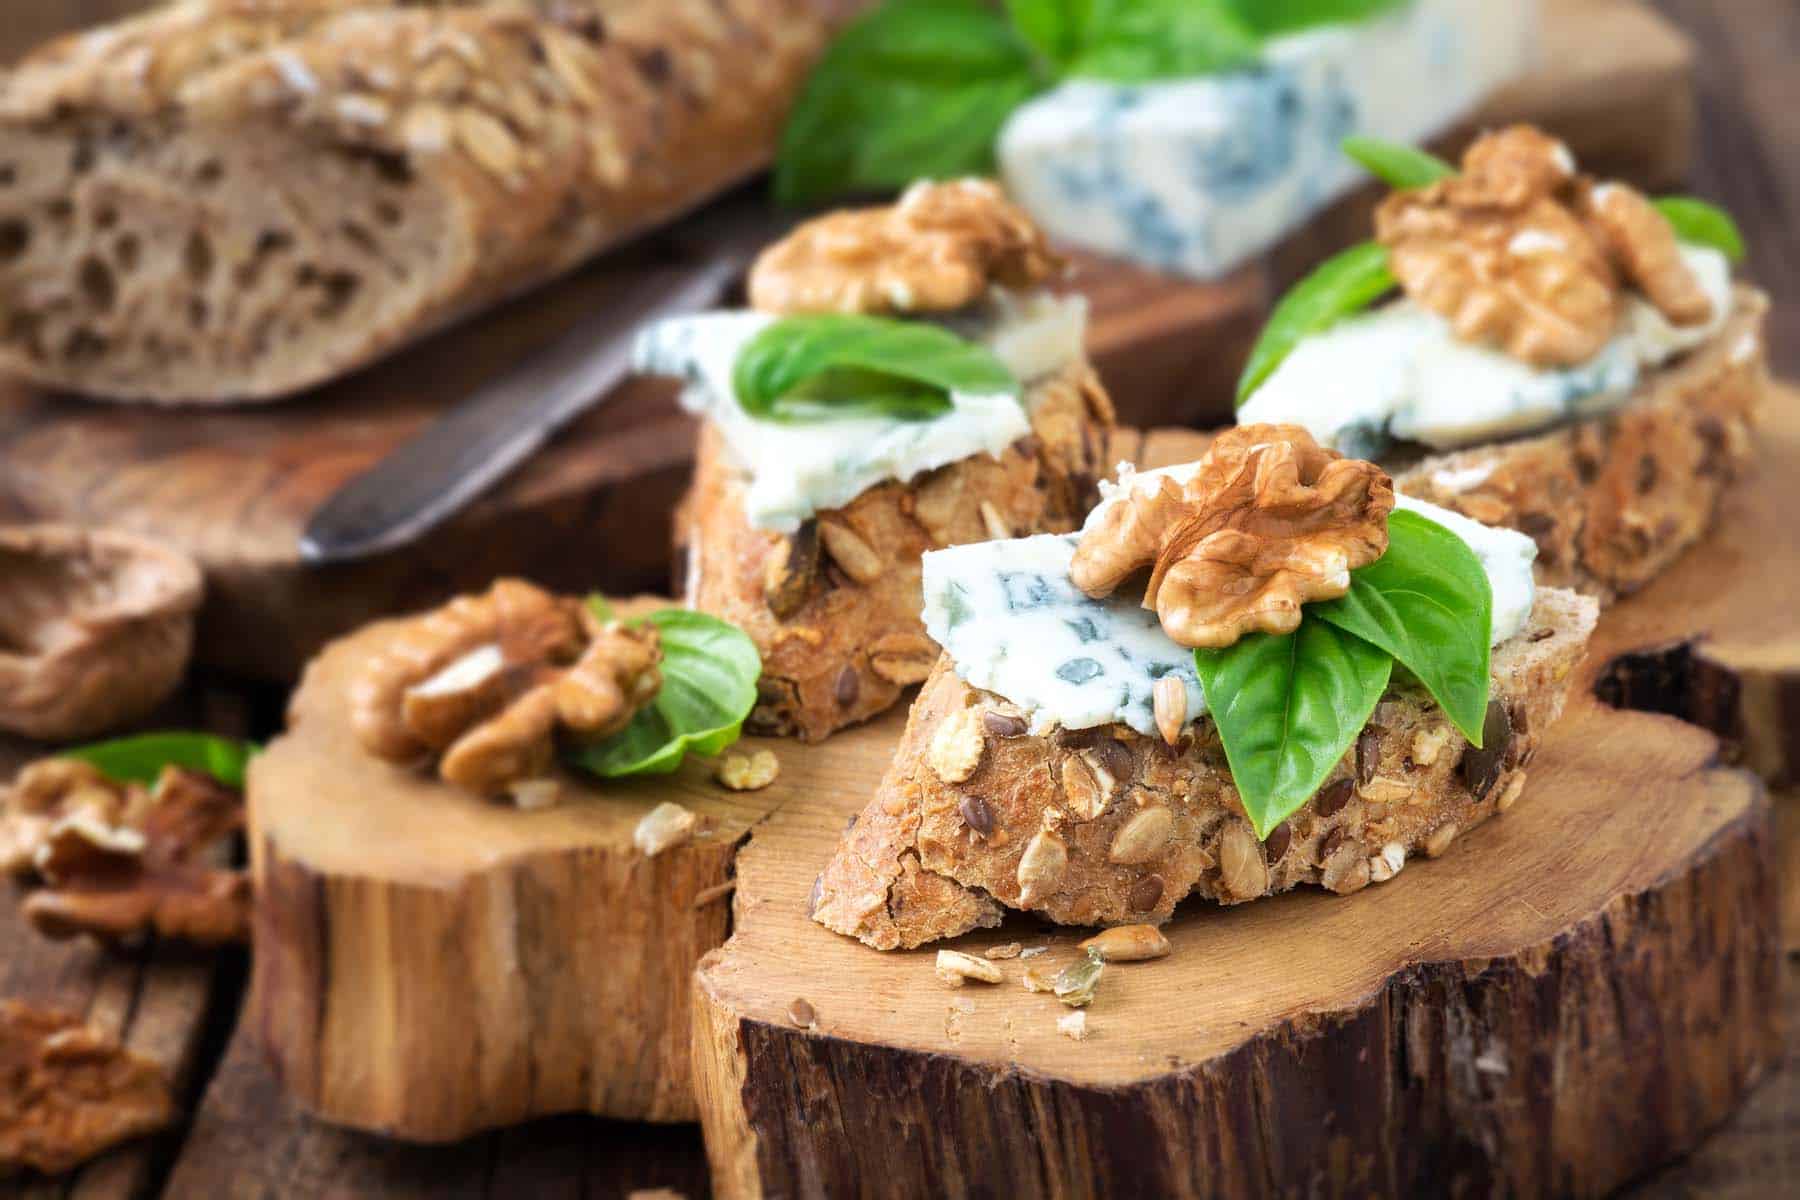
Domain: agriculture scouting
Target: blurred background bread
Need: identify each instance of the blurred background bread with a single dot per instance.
(236, 199)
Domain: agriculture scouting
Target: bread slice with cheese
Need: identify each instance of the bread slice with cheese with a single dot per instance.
(1108, 825)
(807, 532)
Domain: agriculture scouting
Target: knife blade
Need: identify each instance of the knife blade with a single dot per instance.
(500, 424)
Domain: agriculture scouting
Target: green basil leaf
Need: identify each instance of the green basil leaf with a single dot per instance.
(1428, 603)
(915, 89)
(1137, 41)
(1271, 17)
(142, 758)
(1341, 286)
(1703, 224)
(1396, 165)
(1287, 708)
(833, 365)
(709, 670)
(1056, 29)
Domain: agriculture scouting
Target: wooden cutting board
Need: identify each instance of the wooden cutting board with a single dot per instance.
(235, 487)
(1633, 860)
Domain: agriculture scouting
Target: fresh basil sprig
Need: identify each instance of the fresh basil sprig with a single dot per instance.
(1341, 286)
(1288, 707)
(919, 89)
(1703, 224)
(141, 759)
(709, 669)
(1428, 603)
(829, 365)
(1399, 166)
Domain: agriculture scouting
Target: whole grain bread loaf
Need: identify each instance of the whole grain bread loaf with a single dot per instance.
(834, 608)
(1106, 826)
(237, 199)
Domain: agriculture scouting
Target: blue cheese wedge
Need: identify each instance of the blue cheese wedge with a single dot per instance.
(796, 470)
(1012, 623)
(1198, 175)
(1399, 373)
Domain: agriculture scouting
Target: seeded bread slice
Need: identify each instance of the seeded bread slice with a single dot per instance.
(1614, 500)
(1107, 826)
(236, 199)
(834, 608)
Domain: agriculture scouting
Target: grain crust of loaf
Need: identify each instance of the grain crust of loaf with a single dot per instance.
(1109, 827)
(1612, 501)
(238, 199)
(835, 608)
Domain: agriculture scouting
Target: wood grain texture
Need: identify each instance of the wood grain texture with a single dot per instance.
(1637, 954)
(430, 964)
(234, 488)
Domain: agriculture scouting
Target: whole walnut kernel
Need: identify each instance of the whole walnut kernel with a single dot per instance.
(939, 248)
(1269, 521)
(119, 859)
(490, 683)
(1521, 252)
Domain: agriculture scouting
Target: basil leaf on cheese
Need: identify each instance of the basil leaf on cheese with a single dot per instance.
(829, 365)
(141, 759)
(1287, 708)
(915, 89)
(1428, 603)
(709, 669)
(1398, 166)
(1269, 17)
(1056, 29)
(1703, 224)
(1341, 286)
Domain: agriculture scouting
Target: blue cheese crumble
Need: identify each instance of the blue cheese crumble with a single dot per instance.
(1199, 175)
(796, 470)
(1012, 623)
(1399, 373)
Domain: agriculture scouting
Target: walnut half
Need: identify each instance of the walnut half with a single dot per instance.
(1269, 521)
(1521, 252)
(68, 1091)
(116, 860)
(938, 248)
(487, 684)
(95, 628)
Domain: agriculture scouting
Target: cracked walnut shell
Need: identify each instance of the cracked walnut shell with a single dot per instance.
(1269, 521)
(117, 860)
(1521, 252)
(95, 628)
(69, 1091)
(488, 683)
(938, 248)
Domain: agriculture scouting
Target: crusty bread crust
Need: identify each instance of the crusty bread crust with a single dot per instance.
(1613, 501)
(850, 636)
(237, 199)
(915, 867)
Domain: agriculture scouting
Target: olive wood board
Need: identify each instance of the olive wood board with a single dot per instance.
(235, 487)
(360, 994)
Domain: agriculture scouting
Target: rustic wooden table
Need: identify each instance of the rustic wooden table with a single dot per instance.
(243, 1139)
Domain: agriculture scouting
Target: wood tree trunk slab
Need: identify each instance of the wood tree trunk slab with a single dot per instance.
(429, 964)
(235, 487)
(1578, 991)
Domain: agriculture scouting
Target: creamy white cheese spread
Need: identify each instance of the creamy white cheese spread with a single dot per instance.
(1014, 625)
(1399, 373)
(1198, 175)
(797, 469)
